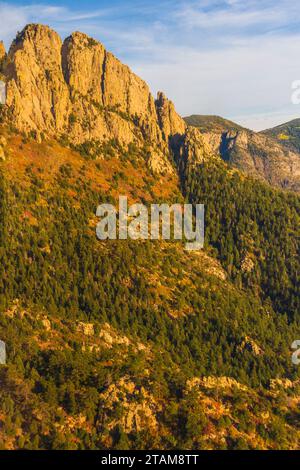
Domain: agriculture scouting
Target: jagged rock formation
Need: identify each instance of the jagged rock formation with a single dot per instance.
(191, 148)
(37, 95)
(2, 59)
(170, 122)
(254, 153)
(99, 82)
(262, 157)
(77, 88)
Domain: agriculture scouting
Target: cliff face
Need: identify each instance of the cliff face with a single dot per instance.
(257, 154)
(170, 122)
(108, 100)
(79, 89)
(262, 157)
(191, 148)
(2, 58)
(37, 95)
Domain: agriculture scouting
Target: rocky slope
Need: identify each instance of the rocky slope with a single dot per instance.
(287, 134)
(77, 88)
(257, 154)
(78, 91)
(134, 344)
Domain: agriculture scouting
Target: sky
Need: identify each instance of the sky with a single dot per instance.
(233, 58)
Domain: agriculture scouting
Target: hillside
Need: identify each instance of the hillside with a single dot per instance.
(135, 344)
(266, 156)
(287, 134)
(104, 336)
(212, 123)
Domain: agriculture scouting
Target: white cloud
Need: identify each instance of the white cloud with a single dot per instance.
(231, 57)
(14, 18)
(236, 13)
(243, 81)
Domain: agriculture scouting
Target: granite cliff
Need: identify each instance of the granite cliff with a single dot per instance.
(78, 89)
(75, 89)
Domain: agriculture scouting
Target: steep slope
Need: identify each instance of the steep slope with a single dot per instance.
(131, 344)
(214, 124)
(135, 344)
(78, 90)
(287, 134)
(257, 154)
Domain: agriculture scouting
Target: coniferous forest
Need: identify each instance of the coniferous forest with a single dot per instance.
(140, 345)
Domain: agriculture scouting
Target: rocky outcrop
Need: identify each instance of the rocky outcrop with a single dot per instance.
(78, 89)
(2, 63)
(108, 99)
(262, 157)
(37, 95)
(3, 144)
(214, 382)
(254, 153)
(138, 410)
(170, 122)
(191, 148)
(87, 329)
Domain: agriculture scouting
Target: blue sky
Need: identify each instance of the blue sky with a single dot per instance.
(234, 58)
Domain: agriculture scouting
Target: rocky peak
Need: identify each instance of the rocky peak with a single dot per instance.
(83, 62)
(77, 88)
(37, 95)
(170, 122)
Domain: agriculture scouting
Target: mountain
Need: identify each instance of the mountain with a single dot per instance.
(78, 90)
(212, 123)
(136, 344)
(258, 154)
(287, 134)
(81, 92)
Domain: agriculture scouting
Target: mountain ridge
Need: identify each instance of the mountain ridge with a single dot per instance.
(258, 154)
(288, 134)
(78, 91)
(136, 344)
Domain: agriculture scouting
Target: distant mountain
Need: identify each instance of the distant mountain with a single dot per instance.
(287, 134)
(208, 123)
(261, 155)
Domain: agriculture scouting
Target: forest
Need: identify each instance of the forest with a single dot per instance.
(115, 344)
